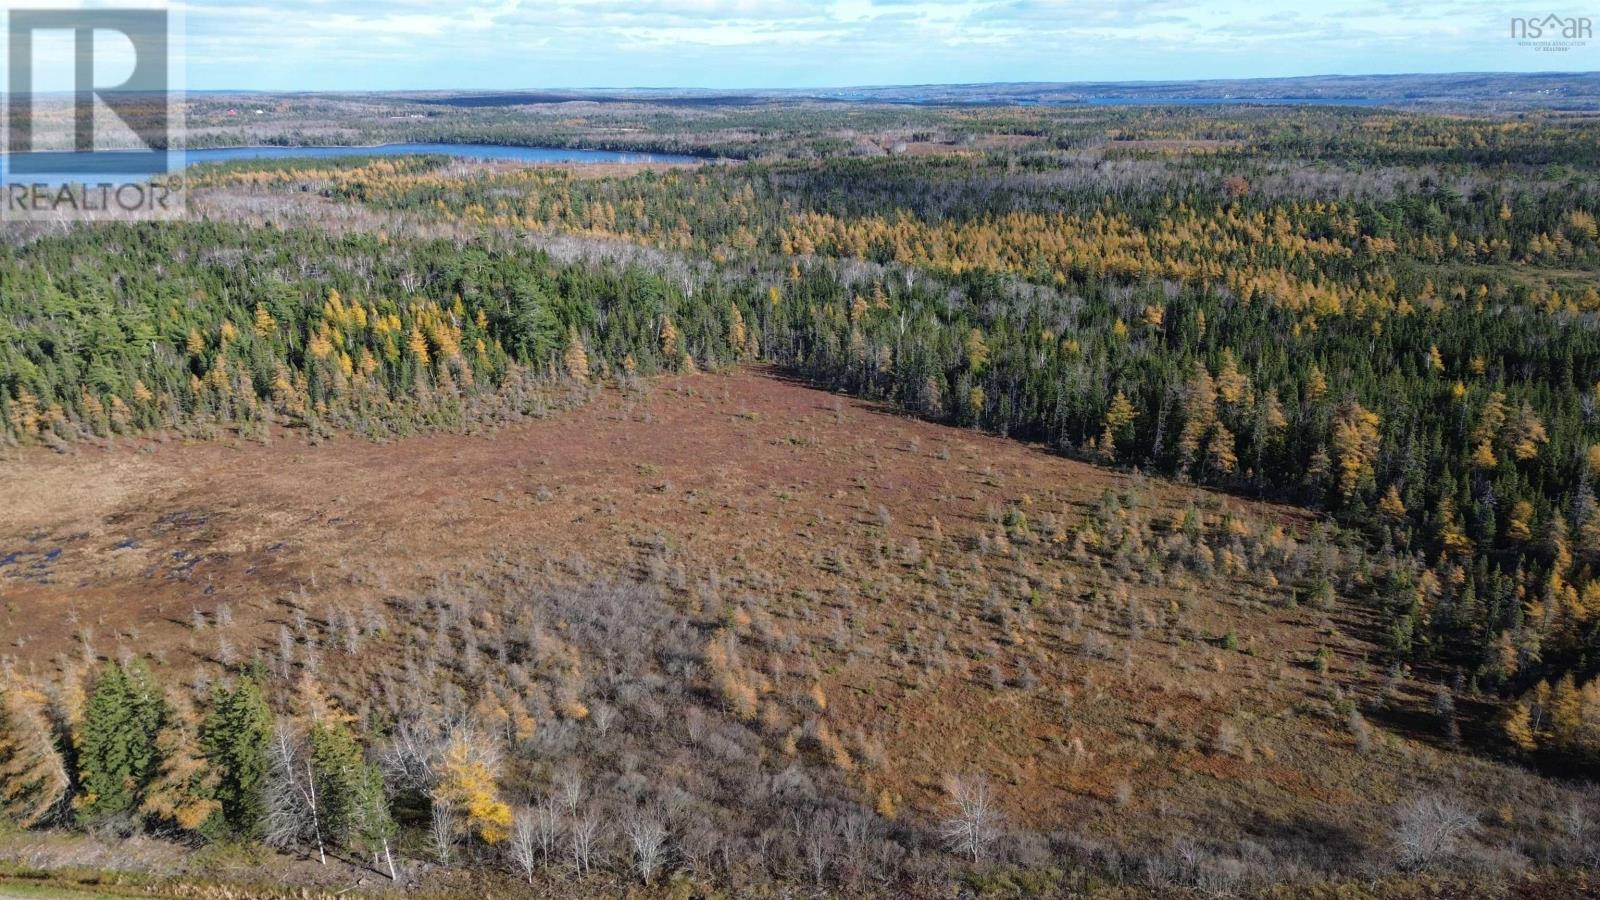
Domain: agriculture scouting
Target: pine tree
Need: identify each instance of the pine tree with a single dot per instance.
(375, 827)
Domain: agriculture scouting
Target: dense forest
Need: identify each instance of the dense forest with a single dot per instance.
(1423, 362)
(1404, 334)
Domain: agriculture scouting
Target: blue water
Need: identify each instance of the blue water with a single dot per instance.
(52, 167)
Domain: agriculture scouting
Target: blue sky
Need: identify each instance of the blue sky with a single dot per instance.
(399, 44)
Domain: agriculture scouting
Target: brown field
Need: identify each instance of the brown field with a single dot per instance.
(1096, 688)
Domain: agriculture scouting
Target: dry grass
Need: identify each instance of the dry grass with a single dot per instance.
(912, 600)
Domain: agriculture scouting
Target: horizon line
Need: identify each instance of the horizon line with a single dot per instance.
(891, 85)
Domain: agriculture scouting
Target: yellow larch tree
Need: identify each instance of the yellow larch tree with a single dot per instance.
(1199, 415)
(1316, 385)
(669, 340)
(182, 792)
(467, 785)
(575, 358)
(1355, 447)
(1392, 506)
(264, 325)
(1232, 385)
(1518, 727)
(1118, 418)
(33, 778)
(736, 330)
(418, 345)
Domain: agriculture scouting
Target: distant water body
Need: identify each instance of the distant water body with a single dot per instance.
(113, 163)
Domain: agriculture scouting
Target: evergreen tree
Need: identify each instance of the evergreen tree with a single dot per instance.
(352, 804)
(338, 772)
(117, 741)
(375, 827)
(234, 738)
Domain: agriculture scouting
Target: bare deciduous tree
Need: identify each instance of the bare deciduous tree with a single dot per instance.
(292, 815)
(648, 836)
(604, 717)
(570, 790)
(547, 824)
(819, 846)
(1582, 832)
(584, 831)
(442, 830)
(523, 846)
(285, 652)
(408, 758)
(974, 821)
(1429, 831)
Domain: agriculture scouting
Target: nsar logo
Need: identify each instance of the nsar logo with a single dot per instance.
(1552, 33)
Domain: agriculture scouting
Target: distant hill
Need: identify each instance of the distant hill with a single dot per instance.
(1558, 90)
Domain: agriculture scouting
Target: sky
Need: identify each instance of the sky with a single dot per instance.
(511, 44)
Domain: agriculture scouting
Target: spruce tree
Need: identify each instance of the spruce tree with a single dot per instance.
(351, 800)
(234, 740)
(116, 741)
(337, 770)
(375, 827)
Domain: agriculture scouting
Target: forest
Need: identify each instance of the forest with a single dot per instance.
(1391, 320)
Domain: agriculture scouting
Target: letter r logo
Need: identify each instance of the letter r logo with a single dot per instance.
(141, 102)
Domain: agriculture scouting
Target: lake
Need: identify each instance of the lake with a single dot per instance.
(136, 162)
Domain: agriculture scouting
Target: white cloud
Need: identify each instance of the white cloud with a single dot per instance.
(415, 43)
